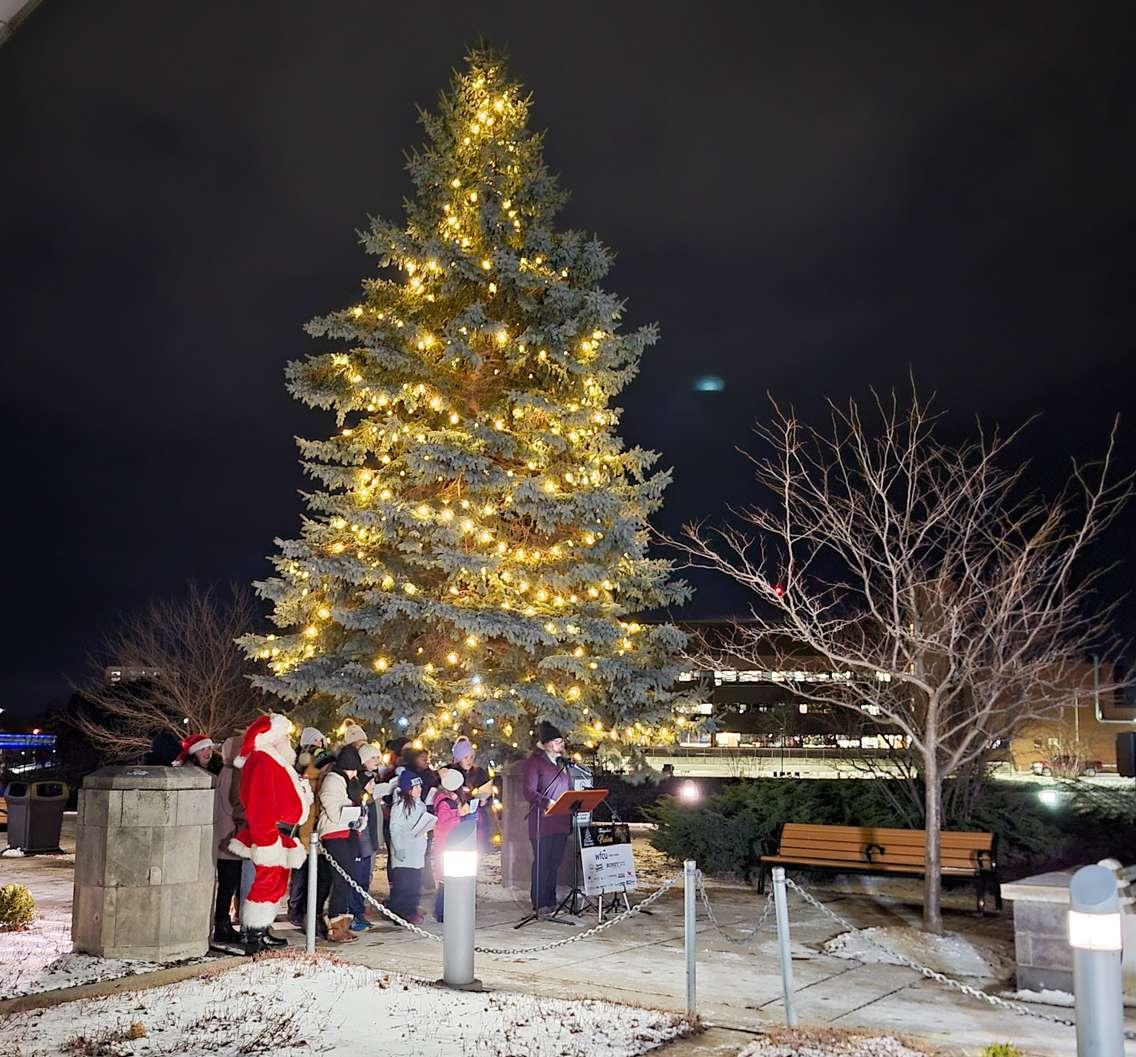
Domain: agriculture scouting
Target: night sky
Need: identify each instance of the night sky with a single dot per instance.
(809, 198)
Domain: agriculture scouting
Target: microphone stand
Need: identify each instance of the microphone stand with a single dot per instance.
(562, 763)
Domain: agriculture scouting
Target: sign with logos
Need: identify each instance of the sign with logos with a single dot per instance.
(605, 852)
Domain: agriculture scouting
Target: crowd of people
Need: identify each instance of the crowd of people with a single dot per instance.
(359, 798)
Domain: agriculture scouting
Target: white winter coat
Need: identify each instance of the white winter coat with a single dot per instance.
(409, 833)
(332, 799)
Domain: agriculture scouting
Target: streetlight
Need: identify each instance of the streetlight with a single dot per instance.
(459, 902)
(1095, 934)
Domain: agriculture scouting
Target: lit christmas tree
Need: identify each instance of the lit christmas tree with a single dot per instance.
(478, 548)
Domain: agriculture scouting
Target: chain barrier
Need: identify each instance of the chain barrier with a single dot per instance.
(932, 974)
(426, 934)
(654, 897)
(747, 934)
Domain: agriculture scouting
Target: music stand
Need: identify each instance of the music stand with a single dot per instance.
(573, 802)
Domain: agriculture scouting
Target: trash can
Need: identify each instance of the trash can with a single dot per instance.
(35, 814)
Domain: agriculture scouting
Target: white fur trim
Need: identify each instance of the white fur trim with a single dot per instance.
(257, 915)
(270, 854)
(278, 726)
(297, 856)
(240, 848)
(239, 761)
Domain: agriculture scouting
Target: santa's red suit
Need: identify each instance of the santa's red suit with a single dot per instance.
(276, 802)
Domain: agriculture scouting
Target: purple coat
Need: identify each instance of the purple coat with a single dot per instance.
(538, 773)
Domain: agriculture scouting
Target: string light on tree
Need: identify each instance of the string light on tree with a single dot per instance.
(472, 386)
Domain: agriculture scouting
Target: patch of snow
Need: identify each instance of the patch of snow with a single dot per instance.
(24, 953)
(1045, 997)
(39, 958)
(290, 1005)
(12, 853)
(72, 970)
(827, 1042)
(949, 953)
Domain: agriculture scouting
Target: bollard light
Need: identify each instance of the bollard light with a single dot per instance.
(1095, 936)
(459, 862)
(689, 792)
(1049, 797)
(1095, 932)
(459, 903)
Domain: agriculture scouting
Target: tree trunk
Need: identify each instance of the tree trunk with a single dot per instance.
(932, 883)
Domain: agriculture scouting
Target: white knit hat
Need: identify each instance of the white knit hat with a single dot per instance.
(353, 734)
(309, 736)
(452, 778)
(368, 752)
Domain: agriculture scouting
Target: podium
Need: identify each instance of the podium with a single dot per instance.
(579, 803)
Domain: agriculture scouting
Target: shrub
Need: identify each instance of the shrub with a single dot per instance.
(17, 907)
(1001, 1049)
(726, 832)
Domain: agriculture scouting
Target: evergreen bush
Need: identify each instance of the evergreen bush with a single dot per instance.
(17, 908)
(725, 833)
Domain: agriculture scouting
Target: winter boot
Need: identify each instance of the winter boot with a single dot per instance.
(223, 932)
(254, 941)
(271, 940)
(339, 929)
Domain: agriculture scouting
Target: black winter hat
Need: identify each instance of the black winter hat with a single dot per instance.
(546, 732)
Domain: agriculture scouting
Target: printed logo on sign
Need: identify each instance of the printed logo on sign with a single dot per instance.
(608, 869)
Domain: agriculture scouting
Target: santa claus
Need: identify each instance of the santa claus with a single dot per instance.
(276, 802)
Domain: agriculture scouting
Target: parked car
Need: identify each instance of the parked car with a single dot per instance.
(1068, 767)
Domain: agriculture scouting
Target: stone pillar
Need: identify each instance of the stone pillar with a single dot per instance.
(144, 865)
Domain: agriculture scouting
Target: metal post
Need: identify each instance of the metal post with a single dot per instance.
(459, 906)
(313, 874)
(1095, 933)
(781, 906)
(689, 883)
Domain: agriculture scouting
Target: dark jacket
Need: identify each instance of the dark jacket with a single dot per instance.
(542, 786)
(429, 777)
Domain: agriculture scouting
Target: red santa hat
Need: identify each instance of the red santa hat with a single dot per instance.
(262, 731)
(194, 743)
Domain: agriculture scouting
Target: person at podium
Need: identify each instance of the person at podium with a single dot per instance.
(545, 778)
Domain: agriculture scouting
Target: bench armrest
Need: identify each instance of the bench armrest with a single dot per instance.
(868, 850)
(770, 845)
(985, 860)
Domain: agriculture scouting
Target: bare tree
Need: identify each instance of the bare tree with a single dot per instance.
(202, 683)
(938, 593)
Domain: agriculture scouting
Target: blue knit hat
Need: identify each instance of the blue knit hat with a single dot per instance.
(408, 780)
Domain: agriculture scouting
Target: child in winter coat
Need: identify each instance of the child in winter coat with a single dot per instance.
(410, 825)
(450, 805)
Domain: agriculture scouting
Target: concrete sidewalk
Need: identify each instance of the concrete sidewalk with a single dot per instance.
(640, 962)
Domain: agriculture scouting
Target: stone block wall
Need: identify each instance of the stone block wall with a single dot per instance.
(144, 864)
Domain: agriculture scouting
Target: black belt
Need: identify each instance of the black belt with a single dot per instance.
(288, 830)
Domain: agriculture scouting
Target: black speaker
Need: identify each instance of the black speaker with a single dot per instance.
(1126, 754)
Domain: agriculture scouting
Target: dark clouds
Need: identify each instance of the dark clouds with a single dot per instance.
(809, 198)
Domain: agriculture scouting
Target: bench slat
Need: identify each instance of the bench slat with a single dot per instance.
(840, 865)
(904, 850)
(881, 835)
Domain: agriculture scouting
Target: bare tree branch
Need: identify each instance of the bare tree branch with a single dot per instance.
(939, 594)
(203, 682)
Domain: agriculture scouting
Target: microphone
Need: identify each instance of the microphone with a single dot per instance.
(562, 761)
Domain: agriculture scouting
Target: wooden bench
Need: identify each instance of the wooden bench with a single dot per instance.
(874, 850)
